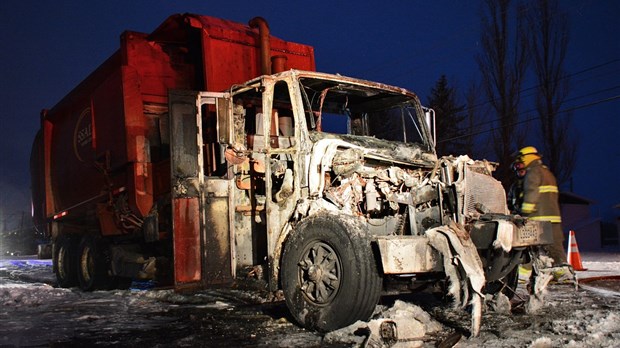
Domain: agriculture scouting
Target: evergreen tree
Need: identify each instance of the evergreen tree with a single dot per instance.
(448, 119)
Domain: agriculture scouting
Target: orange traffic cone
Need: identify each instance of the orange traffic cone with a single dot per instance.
(573, 258)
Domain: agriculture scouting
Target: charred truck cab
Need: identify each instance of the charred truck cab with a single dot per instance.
(165, 164)
(334, 184)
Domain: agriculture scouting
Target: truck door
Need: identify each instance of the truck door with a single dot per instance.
(268, 174)
(201, 229)
(283, 167)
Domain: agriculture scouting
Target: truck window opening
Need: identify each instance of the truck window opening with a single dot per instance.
(350, 109)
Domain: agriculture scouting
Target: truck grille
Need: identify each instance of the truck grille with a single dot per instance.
(483, 189)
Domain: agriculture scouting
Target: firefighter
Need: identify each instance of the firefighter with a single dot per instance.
(540, 199)
(515, 193)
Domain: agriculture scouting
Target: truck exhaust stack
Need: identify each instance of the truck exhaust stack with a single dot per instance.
(265, 46)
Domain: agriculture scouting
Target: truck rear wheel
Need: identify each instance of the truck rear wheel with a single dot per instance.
(329, 273)
(64, 260)
(92, 265)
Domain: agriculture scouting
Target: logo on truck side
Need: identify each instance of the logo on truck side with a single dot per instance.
(83, 135)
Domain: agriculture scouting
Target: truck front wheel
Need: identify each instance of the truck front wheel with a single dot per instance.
(329, 273)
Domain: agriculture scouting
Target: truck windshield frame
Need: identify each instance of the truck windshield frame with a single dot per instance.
(340, 107)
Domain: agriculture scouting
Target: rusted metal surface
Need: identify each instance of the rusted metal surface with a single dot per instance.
(605, 285)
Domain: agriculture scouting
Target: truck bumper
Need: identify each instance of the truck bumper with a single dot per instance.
(413, 254)
(408, 254)
(533, 233)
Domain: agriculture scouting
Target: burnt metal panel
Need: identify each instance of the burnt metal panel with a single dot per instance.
(483, 234)
(187, 260)
(184, 149)
(186, 179)
(408, 254)
(217, 237)
(201, 214)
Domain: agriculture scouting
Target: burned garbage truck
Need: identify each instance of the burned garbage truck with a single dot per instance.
(209, 150)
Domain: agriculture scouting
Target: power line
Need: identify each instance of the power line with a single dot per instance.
(593, 93)
(477, 125)
(533, 118)
(594, 67)
(566, 100)
(591, 68)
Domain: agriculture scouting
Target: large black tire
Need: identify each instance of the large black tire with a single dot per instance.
(64, 260)
(329, 274)
(92, 264)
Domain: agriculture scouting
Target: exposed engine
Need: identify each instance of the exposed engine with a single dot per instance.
(399, 200)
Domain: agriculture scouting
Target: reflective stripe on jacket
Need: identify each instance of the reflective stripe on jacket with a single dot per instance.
(540, 194)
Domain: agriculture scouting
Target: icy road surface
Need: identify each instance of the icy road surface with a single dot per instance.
(36, 314)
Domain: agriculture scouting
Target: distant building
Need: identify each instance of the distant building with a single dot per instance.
(576, 216)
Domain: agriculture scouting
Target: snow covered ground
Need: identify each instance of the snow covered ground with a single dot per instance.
(600, 264)
(35, 313)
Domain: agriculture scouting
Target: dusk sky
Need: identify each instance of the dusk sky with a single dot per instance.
(48, 47)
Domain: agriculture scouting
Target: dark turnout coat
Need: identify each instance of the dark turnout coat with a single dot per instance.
(540, 194)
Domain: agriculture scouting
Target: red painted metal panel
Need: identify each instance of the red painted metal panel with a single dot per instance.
(70, 155)
(138, 144)
(187, 256)
(231, 52)
(108, 120)
(159, 65)
(186, 52)
(74, 178)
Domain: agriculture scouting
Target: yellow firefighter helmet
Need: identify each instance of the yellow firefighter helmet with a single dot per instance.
(527, 154)
(528, 150)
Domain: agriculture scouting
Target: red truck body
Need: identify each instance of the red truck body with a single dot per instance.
(110, 135)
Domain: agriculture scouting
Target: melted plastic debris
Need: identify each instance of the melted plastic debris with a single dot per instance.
(402, 325)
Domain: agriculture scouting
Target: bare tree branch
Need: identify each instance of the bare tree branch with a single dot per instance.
(549, 36)
(503, 63)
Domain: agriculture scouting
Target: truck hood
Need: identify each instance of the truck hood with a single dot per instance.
(384, 150)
